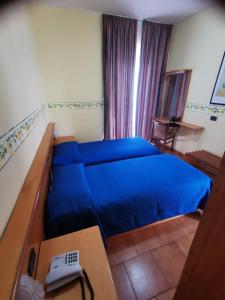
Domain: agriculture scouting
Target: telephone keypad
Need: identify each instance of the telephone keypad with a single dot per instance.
(72, 258)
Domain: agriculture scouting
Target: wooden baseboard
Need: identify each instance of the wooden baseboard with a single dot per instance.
(174, 151)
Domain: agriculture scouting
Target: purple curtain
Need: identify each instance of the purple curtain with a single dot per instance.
(176, 94)
(119, 45)
(154, 52)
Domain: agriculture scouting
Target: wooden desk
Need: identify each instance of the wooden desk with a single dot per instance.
(166, 120)
(92, 257)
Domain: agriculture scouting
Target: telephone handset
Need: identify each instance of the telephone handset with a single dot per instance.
(64, 268)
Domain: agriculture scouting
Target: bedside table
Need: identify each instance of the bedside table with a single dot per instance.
(92, 258)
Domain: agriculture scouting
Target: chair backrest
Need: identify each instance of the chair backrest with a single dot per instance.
(159, 130)
(164, 131)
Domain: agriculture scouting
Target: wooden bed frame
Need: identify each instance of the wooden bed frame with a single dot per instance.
(25, 228)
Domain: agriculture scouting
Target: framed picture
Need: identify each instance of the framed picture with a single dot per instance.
(218, 95)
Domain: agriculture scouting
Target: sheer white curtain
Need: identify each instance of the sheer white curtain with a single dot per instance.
(136, 75)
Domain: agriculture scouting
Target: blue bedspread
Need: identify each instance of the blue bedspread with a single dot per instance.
(65, 154)
(101, 151)
(112, 150)
(136, 192)
(123, 195)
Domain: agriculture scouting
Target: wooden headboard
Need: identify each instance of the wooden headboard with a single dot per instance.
(25, 229)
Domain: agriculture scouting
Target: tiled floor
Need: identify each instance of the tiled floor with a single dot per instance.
(147, 263)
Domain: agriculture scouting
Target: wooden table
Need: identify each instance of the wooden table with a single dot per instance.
(166, 120)
(92, 257)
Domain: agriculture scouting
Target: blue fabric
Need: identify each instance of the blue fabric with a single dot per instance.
(136, 192)
(65, 154)
(112, 150)
(123, 195)
(70, 205)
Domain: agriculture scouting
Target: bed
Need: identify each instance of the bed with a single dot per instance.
(91, 153)
(123, 195)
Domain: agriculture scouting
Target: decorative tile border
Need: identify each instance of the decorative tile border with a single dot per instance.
(12, 140)
(75, 105)
(205, 109)
(194, 107)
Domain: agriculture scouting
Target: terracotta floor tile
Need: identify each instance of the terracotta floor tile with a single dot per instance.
(171, 261)
(168, 295)
(119, 249)
(122, 282)
(185, 243)
(189, 223)
(145, 239)
(146, 277)
(169, 231)
(148, 262)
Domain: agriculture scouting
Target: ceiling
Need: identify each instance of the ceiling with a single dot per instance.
(165, 11)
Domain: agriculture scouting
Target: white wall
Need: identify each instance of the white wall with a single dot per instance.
(68, 43)
(198, 44)
(20, 96)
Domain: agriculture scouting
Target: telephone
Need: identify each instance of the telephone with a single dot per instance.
(175, 119)
(63, 269)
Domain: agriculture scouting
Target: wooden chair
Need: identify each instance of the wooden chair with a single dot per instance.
(163, 134)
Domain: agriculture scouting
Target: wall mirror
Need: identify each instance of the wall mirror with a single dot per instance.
(175, 90)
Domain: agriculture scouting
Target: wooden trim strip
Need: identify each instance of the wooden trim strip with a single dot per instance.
(15, 238)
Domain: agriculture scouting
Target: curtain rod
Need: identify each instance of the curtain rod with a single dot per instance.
(138, 19)
(121, 16)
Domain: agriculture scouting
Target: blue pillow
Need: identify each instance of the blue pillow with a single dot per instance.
(70, 204)
(112, 150)
(65, 154)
